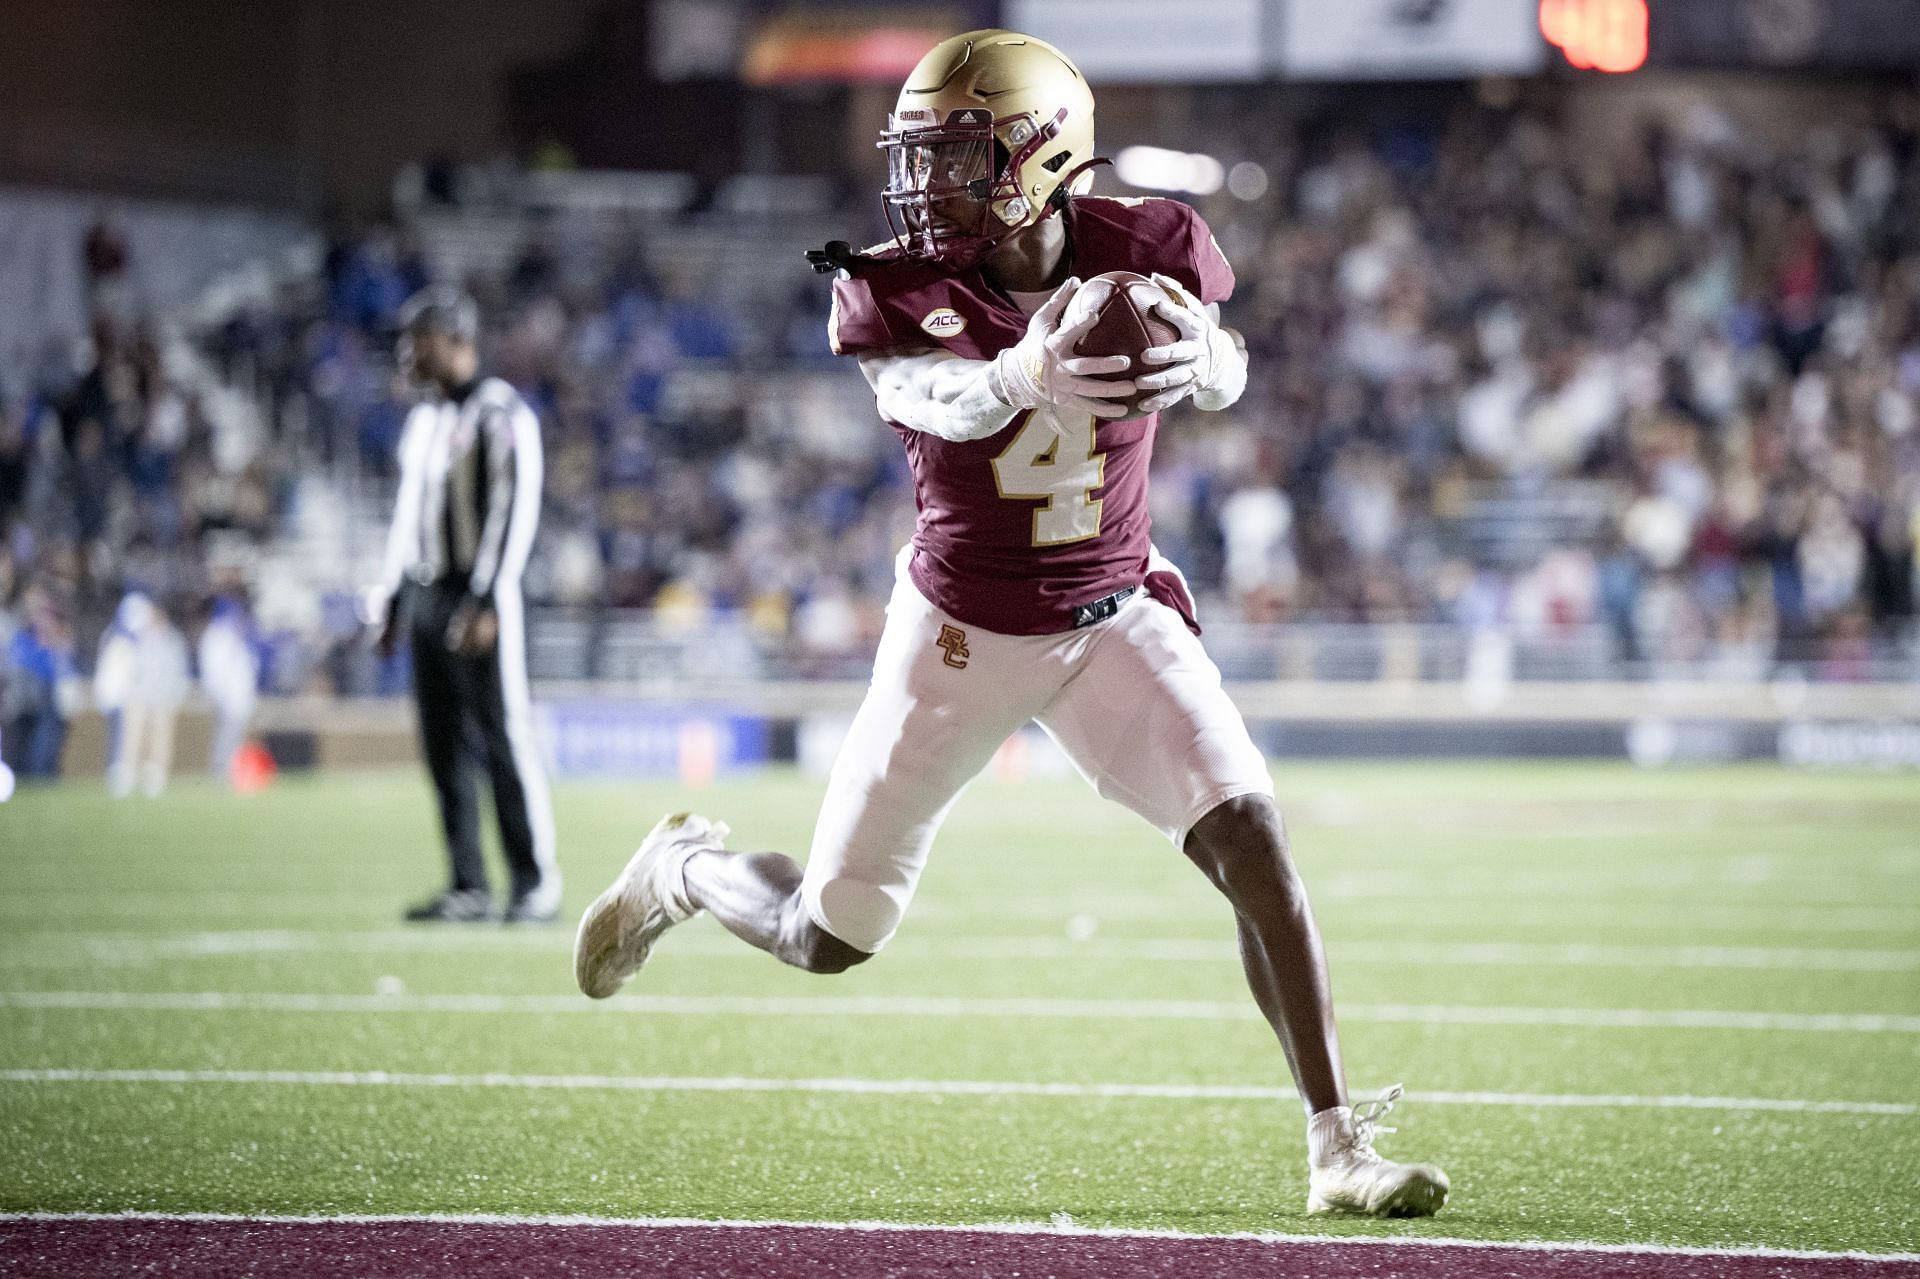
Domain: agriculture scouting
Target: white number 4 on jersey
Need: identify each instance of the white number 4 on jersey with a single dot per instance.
(1053, 460)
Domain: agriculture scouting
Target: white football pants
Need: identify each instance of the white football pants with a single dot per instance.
(1134, 701)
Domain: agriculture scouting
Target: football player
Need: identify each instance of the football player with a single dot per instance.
(1030, 590)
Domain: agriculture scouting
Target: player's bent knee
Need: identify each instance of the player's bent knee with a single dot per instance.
(1244, 821)
(863, 915)
(1242, 847)
(822, 952)
(804, 944)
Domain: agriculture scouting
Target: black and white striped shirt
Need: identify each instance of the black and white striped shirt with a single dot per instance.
(469, 503)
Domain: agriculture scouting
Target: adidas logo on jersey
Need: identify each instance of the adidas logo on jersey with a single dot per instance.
(943, 322)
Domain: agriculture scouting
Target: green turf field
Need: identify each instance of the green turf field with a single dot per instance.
(1513, 942)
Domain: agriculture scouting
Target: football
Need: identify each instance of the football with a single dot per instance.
(1126, 326)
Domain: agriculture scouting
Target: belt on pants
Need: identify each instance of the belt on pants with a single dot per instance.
(1101, 609)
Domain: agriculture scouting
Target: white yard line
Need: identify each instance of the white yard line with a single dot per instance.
(1447, 954)
(1586, 955)
(932, 1006)
(1639, 1018)
(920, 1088)
(1494, 907)
(54, 950)
(991, 1227)
(1376, 898)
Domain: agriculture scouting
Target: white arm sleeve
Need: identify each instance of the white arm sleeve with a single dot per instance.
(937, 392)
(513, 498)
(403, 535)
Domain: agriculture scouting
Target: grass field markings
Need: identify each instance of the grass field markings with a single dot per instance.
(1665, 914)
(55, 949)
(1806, 894)
(922, 1088)
(1038, 1228)
(1832, 888)
(955, 1007)
(1465, 954)
(1520, 813)
(1495, 909)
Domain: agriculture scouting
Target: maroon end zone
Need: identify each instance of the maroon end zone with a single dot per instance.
(319, 1250)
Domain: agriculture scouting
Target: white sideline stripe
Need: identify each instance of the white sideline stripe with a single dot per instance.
(921, 1088)
(1414, 1242)
(929, 1006)
(107, 947)
(510, 665)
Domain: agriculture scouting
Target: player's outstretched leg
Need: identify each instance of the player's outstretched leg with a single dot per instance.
(756, 897)
(1242, 847)
(681, 868)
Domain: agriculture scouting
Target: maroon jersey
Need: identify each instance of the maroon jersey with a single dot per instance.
(1018, 530)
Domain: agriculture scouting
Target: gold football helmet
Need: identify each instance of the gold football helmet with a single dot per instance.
(990, 126)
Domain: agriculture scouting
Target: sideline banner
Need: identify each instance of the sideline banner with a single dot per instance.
(639, 739)
(1150, 41)
(1407, 39)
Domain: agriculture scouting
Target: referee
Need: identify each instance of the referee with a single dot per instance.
(468, 506)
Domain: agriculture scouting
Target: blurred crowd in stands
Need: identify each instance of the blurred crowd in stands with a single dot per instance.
(1718, 341)
(1500, 380)
(125, 530)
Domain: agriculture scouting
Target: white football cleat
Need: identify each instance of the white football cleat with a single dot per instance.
(1345, 1175)
(618, 931)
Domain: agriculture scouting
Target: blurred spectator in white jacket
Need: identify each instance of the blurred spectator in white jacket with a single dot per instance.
(113, 678)
(230, 674)
(151, 679)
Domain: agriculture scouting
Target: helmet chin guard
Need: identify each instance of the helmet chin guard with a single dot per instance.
(989, 127)
(953, 190)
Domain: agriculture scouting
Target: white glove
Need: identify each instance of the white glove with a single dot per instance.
(1205, 361)
(1041, 369)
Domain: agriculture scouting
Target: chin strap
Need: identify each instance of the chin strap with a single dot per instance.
(1073, 174)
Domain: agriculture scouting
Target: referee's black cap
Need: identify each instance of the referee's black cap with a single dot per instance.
(442, 309)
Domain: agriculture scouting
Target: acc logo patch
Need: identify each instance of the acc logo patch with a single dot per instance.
(943, 322)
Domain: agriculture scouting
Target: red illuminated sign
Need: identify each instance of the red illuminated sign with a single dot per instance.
(1597, 35)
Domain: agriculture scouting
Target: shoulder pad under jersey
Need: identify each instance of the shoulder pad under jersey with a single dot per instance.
(1156, 234)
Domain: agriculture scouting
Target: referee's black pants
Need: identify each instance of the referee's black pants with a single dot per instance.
(463, 728)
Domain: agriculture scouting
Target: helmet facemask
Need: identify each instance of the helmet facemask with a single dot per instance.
(953, 190)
